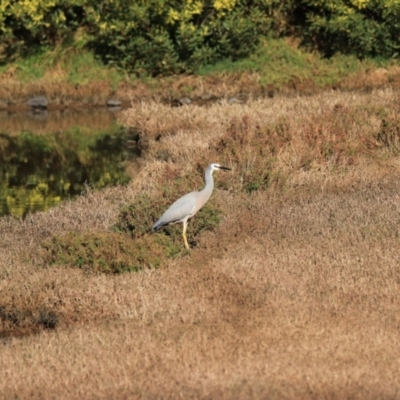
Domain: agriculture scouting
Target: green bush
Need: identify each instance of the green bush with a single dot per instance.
(366, 28)
(105, 252)
(157, 37)
(151, 37)
(27, 25)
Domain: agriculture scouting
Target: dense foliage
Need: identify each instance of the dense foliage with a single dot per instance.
(366, 28)
(162, 37)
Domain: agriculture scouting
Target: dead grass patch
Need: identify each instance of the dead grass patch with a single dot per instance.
(293, 294)
(301, 304)
(267, 142)
(202, 89)
(65, 94)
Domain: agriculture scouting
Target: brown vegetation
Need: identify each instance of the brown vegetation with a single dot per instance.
(293, 294)
(14, 93)
(242, 86)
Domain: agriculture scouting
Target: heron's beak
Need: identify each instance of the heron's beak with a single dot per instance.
(226, 168)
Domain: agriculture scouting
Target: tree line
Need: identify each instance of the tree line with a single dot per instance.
(162, 37)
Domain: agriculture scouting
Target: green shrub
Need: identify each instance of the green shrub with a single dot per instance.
(151, 37)
(27, 25)
(106, 252)
(366, 28)
(157, 37)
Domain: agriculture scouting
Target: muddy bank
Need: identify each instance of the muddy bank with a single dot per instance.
(179, 90)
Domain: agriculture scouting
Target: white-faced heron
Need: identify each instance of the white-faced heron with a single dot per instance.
(187, 206)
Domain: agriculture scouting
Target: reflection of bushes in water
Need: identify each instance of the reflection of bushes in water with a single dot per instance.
(38, 171)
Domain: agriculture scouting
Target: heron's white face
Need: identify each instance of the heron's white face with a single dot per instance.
(215, 167)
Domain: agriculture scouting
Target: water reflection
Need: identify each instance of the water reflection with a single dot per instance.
(45, 160)
(44, 121)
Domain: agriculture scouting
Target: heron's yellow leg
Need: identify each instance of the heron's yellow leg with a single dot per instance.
(184, 236)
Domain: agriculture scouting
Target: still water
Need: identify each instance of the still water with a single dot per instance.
(48, 157)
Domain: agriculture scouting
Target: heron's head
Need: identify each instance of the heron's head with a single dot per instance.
(215, 167)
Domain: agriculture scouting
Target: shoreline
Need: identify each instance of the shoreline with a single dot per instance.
(181, 90)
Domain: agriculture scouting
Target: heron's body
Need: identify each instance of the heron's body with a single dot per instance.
(187, 206)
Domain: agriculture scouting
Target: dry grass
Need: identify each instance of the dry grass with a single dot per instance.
(245, 85)
(60, 94)
(294, 295)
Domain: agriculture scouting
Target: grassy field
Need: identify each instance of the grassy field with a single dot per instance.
(294, 294)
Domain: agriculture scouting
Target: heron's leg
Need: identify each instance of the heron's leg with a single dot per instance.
(184, 235)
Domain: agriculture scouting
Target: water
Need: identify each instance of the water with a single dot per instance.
(48, 157)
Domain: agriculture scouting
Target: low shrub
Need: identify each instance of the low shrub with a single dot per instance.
(388, 135)
(14, 318)
(105, 252)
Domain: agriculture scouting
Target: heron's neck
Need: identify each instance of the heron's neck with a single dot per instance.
(209, 183)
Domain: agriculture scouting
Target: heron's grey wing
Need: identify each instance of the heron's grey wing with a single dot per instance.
(179, 210)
